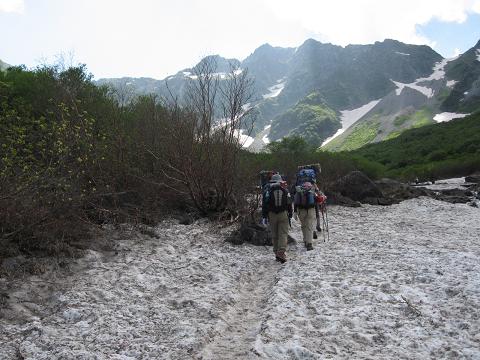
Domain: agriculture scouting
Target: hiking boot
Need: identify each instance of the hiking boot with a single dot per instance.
(309, 247)
(280, 256)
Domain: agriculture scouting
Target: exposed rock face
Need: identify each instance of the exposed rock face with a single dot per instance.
(474, 178)
(397, 191)
(356, 186)
(334, 198)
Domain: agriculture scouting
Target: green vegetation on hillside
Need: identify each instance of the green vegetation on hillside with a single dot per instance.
(310, 118)
(360, 135)
(438, 150)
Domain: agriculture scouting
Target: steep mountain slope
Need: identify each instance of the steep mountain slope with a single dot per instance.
(453, 86)
(171, 85)
(268, 65)
(465, 71)
(310, 118)
(347, 77)
(397, 75)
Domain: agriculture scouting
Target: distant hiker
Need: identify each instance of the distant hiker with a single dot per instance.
(277, 210)
(307, 200)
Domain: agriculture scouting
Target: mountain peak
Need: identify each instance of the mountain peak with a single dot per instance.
(222, 64)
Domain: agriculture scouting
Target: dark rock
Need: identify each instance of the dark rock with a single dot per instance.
(396, 191)
(385, 201)
(453, 199)
(474, 178)
(456, 192)
(253, 233)
(334, 198)
(185, 219)
(356, 186)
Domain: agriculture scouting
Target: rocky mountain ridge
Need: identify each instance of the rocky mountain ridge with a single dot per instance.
(411, 83)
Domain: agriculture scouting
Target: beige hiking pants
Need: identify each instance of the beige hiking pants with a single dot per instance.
(279, 228)
(308, 220)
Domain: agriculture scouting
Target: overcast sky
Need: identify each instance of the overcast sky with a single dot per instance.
(156, 38)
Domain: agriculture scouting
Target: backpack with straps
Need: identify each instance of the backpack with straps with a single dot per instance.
(277, 198)
(305, 195)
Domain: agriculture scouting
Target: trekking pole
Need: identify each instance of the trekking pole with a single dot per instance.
(326, 221)
(324, 225)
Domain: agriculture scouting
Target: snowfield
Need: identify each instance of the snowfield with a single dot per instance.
(400, 281)
(275, 89)
(349, 117)
(448, 116)
(438, 73)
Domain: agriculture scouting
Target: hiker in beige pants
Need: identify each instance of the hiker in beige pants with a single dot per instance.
(279, 228)
(308, 221)
(277, 208)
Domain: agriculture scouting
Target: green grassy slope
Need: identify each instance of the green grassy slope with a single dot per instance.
(451, 148)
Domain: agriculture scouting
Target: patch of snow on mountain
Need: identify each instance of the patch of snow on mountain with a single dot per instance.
(349, 117)
(247, 106)
(186, 73)
(478, 54)
(238, 71)
(275, 90)
(400, 53)
(465, 93)
(399, 88)
(421, 89)
(266, 130)
(451, 83)
(265, 139)
(447, 116)
(244, 139)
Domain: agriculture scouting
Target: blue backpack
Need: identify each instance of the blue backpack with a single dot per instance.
(305, 175)
(304, 195)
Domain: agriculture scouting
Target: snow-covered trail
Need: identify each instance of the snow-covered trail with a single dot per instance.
(236, 334)
(401, 281)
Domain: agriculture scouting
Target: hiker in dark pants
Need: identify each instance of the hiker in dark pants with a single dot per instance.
(277, 208)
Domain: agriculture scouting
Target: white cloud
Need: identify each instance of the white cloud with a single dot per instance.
(345, 22)
(12, 6)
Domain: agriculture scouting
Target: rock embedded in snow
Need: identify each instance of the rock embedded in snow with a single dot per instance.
(474, 178)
